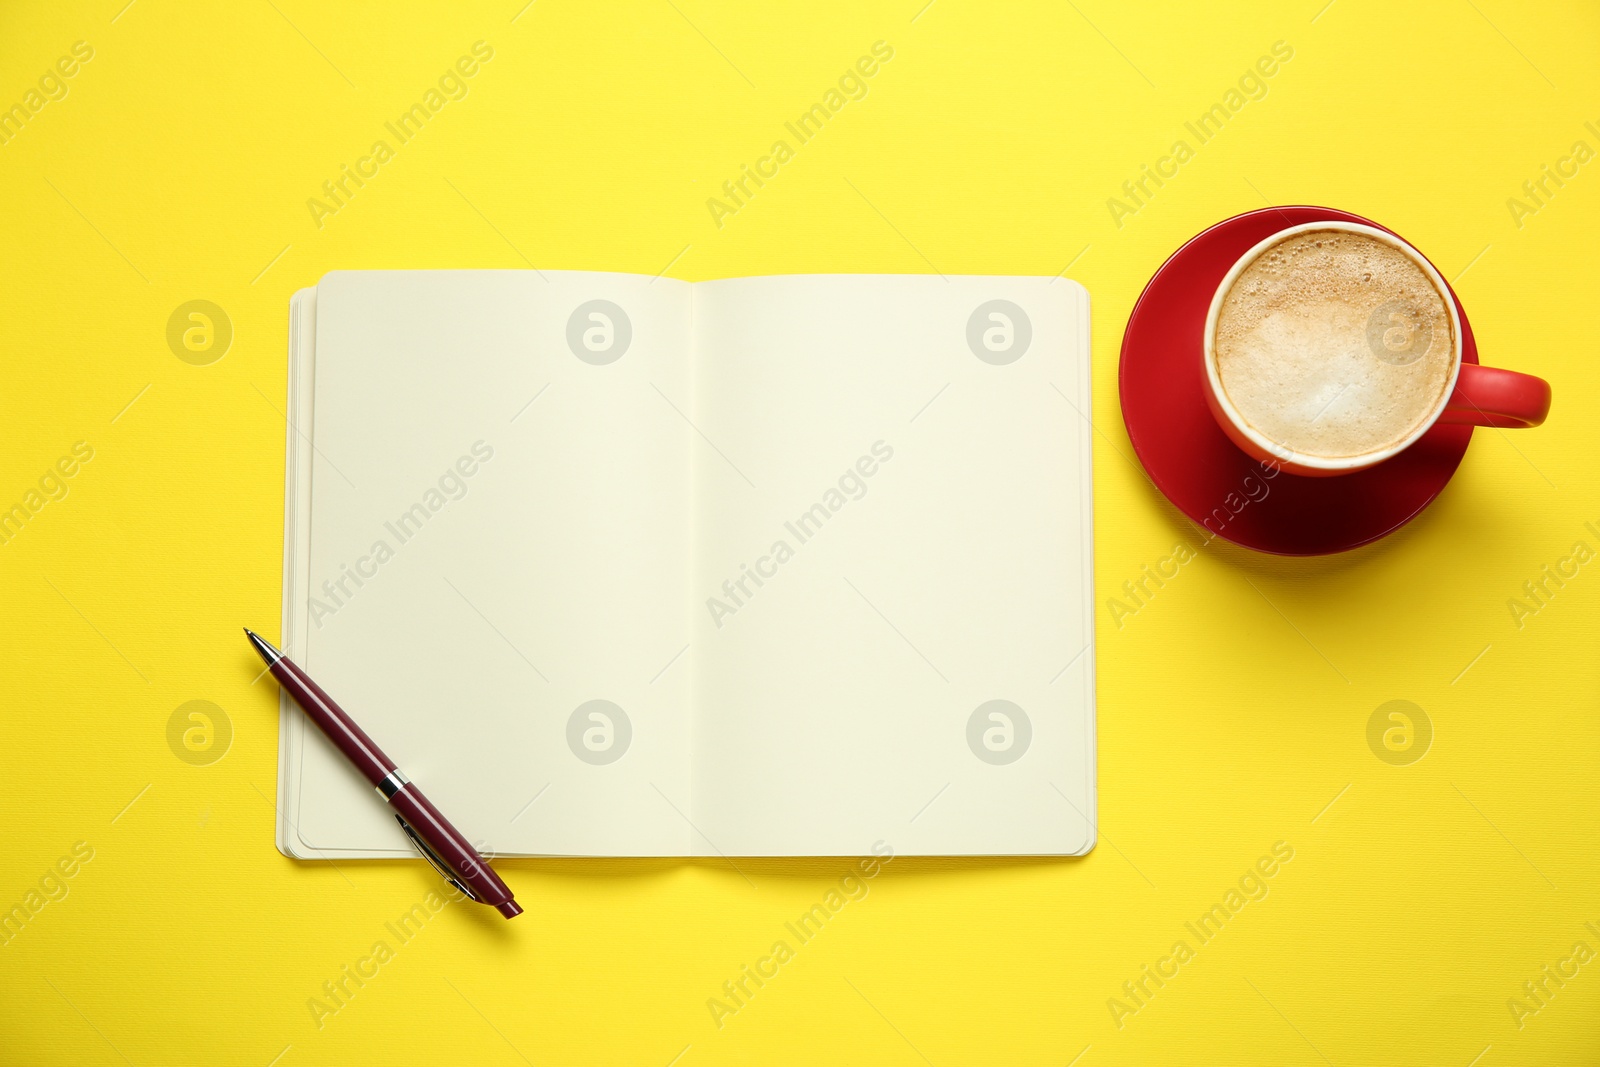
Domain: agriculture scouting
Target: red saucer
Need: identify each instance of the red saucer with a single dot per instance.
(1191, 460)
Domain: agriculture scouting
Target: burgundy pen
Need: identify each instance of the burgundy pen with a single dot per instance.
(430, 832)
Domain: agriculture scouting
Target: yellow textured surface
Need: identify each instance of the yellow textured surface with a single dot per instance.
(1234, 705)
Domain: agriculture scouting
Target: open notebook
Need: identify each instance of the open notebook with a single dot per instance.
(614, 565)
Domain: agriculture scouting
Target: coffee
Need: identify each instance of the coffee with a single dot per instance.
(1335, 345)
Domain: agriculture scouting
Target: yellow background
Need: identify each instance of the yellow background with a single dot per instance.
(1233, 707)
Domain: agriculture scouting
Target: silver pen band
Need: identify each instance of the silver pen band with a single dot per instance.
(392, 784)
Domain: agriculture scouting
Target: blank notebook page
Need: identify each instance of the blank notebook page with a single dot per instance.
(806, 567)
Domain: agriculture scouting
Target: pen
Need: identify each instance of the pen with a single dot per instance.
(429, 832)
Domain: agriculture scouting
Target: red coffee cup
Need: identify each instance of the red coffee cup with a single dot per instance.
(1474, 395)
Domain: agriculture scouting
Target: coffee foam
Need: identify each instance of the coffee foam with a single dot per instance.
(1334, 344)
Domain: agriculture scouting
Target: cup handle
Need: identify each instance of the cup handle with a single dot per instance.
(1491, 396)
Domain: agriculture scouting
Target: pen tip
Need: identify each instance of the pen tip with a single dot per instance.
(264, 649)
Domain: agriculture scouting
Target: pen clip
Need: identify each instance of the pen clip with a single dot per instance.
(433, 859)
